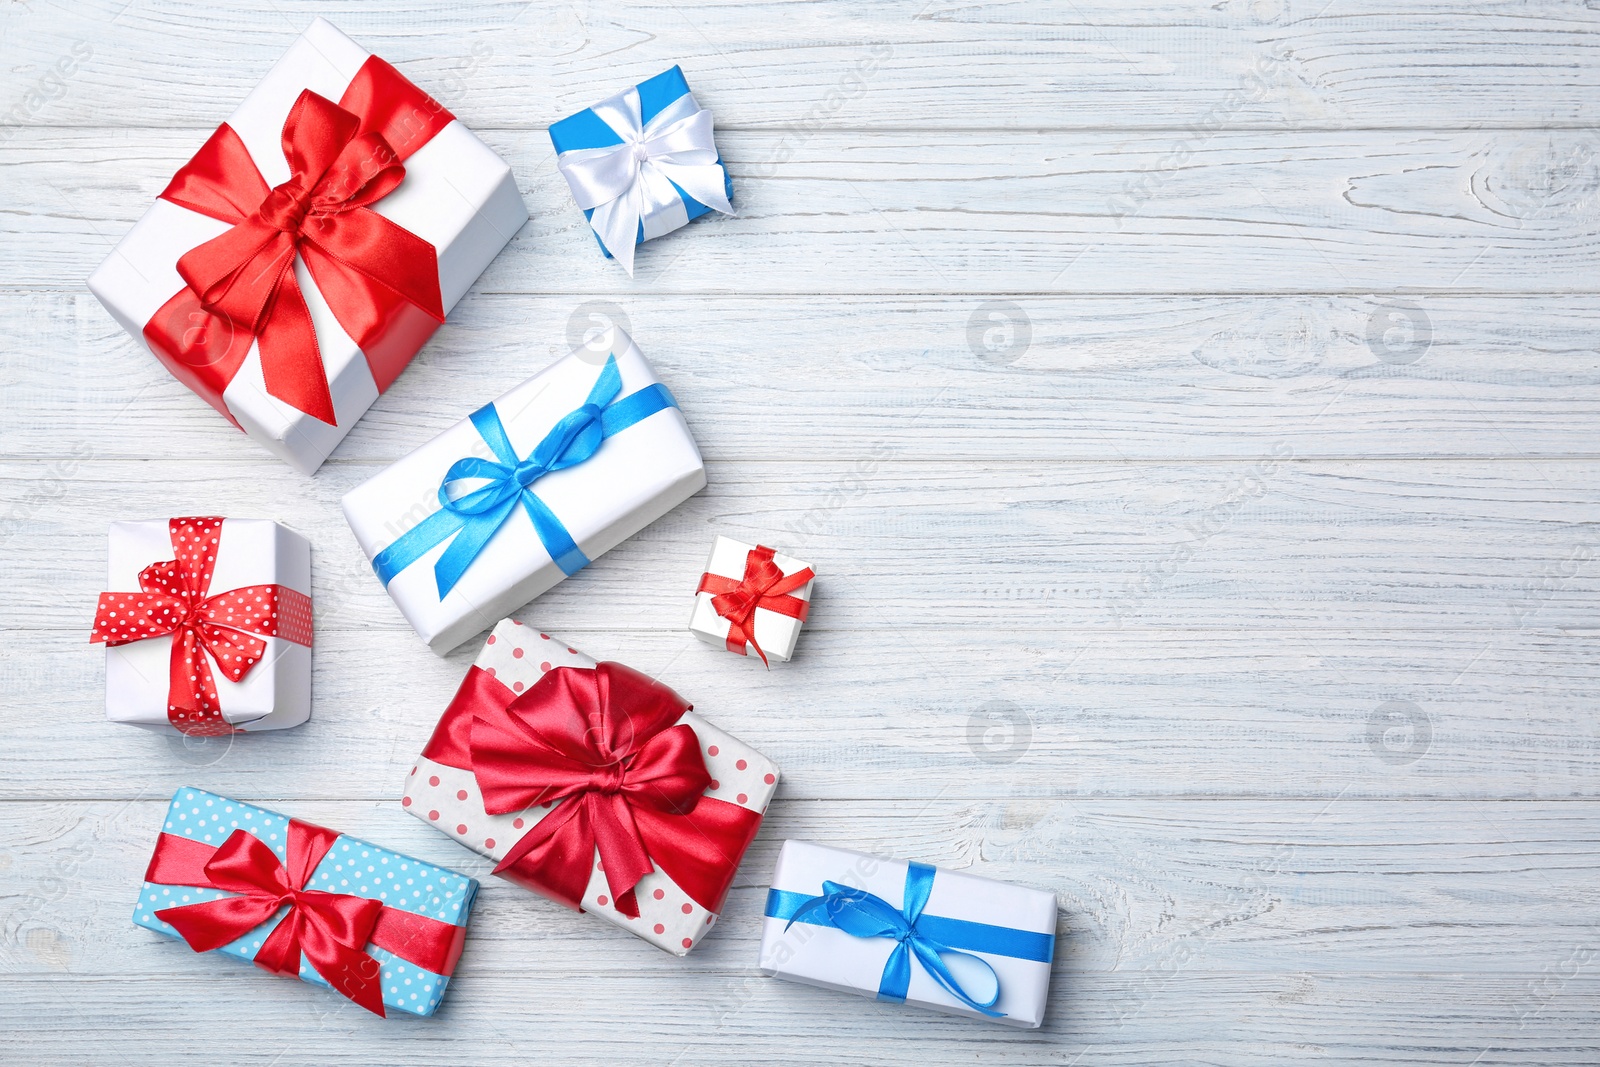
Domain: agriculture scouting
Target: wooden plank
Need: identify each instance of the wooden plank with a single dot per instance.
(1276, 543)
(1096, 1021)
(1079, 378)
(1370, 932)
(908, 713)
(976, 212)
(890, 64)
(1410, 887)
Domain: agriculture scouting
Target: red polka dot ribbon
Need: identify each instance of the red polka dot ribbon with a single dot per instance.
(764, 585)
(332, 930)
(205, 629)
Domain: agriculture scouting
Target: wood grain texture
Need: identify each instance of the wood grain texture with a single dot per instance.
(990, 212)
(1189, 411)
(865, 64)
(1091, 378)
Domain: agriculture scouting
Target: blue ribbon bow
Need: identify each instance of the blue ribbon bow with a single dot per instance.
(473, 517)
(928, 938)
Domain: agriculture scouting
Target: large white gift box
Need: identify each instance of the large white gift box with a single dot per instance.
(879, 927)
(446, 789)
(642, 468)
(243, 585)
(456, 195)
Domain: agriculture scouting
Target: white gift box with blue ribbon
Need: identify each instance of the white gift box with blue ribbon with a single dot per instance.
(642, 163)
(526, 491)
(910, 933)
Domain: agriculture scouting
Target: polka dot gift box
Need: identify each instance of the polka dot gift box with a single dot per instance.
(381, 929)
(593, 785)
(207, 625)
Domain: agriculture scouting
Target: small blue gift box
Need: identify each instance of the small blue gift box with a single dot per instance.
(381, 928)
(657, 120)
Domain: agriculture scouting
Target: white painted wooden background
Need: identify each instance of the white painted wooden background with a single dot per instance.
(1191, 412)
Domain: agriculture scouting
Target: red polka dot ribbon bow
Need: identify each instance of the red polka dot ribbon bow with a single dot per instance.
(331, 929)
(607, 745)
(764, 585)
(218, 628)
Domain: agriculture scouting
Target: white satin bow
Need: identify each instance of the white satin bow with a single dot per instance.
(631, 183)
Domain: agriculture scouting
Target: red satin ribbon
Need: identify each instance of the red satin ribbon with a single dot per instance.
(607, 744)
(763, 586)
(331, 929)
(380, 281)
(175, 600)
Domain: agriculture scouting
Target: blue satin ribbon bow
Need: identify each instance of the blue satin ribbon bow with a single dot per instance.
(473, 517)
(926, 937)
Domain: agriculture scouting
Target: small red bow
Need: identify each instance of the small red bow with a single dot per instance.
(174, 601)
(763, 586)
(342, 158)
(604, 743)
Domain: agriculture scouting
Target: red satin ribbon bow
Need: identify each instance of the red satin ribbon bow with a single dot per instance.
(763, 586)
(607, 744)
(176, 600)
(376, 277)
(332, 930)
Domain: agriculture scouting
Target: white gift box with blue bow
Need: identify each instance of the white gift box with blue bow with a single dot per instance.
(642, 163)
(909, 933)
(526, 491)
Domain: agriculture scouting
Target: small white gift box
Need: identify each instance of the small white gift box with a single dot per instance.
(446, 789)
(207, 623)
(752, 599)
(456, 205)
(909, 932)
(552, 475)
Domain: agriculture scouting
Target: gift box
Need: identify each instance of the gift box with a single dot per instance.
(910, 933)
(380, 928)
(526, 491)
(291, 269)
(593, 785)
(207, 625)
(751, 598)
(642, 163)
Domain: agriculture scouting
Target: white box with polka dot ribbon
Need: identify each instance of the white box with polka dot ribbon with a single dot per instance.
(381, 928)
(593, 785)
(243, 589)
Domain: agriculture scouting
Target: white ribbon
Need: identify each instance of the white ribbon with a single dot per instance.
(631, 183)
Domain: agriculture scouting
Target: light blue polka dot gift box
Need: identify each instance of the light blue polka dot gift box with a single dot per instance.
(383, 929)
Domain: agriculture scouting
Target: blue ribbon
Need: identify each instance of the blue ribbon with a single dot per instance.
(473, 518)
(927, 938)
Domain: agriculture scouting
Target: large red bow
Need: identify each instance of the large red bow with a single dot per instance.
(377, 278)
(604, 743)
(331, 929)
(175, 600)
(764, 585)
